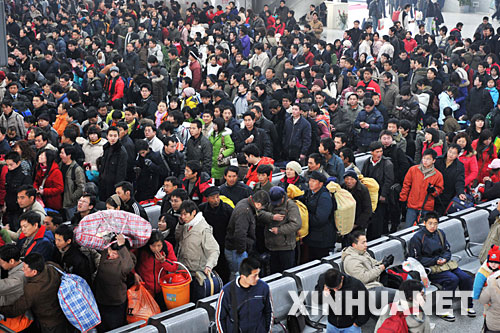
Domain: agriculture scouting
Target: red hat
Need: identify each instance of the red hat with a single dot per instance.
(2, 75)
(494, 254)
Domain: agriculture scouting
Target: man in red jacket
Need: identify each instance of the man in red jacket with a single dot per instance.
(422, 184)
(368, 83)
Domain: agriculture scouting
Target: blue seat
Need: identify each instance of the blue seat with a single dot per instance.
(393, 247)
(209, 304)
(478, 227)
(194, 321)
(157, 319)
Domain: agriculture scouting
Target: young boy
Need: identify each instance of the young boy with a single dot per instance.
(450, 123)
(263, 174)
(489, 267)
(430, 247)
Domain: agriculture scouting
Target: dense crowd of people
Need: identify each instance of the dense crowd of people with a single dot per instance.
(119, 105)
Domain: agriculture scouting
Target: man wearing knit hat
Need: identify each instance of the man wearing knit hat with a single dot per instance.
(362, 197)
(281, 225)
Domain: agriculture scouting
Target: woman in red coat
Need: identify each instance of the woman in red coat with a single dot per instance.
(115, 85)
(467, 156)
(49, 180)
(151, 258)
(432, 141)
(486, 153)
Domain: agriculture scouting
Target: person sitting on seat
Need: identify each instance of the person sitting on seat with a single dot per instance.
(430, 247)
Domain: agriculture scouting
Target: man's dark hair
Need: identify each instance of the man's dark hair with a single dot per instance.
(431, 152)
(375, 145)
(69, 150)
(198, 123)
(31, 217)
(30, 190)
(328, 145)
(354, 236)
(248, 265)
(231, 168)
(318, 159)
(431, 215)
(265, 169)
(261, 197)
(126, 187)
(410, 288)
(195, 167)
(56, 217)
(65, 231)
(341, 136)
(252, 149)
(249, 114)
(13, 156)
(180, 193)
(348, 154)
(113, 128)
(189, 206)
(174, 180)
(333, 278)
(10, 251)
(35, 261)
(141, 144)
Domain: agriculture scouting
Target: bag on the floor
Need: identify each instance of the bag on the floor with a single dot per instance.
(141, 305)
(394, 324)
(373, 188)
(458, 204)
(293, 192)
(346, 208)
(77, 302)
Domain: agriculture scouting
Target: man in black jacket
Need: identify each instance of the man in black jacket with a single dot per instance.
(252, 134)
(125, 191)
(198, 147)
(381, 169)
(217, 213)
(453, 172)
(129, 146)
(479, 99)
(362, 197)
(266, 125)
(15, 178)
(68, 254)
(233, 188)
(148, 170)
(345, 288)
(173, 160)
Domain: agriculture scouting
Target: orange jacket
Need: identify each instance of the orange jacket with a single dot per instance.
(251, 176)
(60, 124)
(415, 188)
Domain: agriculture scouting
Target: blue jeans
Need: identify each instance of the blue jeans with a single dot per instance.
(450, 280)
(412, 215)
(332, 329)
(234, 260)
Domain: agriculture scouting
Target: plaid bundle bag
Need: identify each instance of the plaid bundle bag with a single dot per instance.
(96, 230)
(77, 302)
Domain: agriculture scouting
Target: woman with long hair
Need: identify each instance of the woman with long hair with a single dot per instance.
(486, 153)
(49, 180)
(151, 258)
(467, 156)
(28, 155)
(432, 141)
(476, 126)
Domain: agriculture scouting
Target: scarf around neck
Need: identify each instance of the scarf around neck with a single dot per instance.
(429, 172)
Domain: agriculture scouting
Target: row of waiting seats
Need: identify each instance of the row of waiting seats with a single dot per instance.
(466, 231)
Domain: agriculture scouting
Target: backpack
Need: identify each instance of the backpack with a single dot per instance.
(345, 213)
(77, 302)
(292, 192)
(373, 188)
(394, 324)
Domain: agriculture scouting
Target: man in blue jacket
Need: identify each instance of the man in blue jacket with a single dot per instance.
(34, 236)
(254, 311)
(369, 122)
(430, 247)
(322, 231)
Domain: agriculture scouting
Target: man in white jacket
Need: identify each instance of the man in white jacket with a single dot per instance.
(260, 58)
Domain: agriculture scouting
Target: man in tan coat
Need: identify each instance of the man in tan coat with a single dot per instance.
(316, 26)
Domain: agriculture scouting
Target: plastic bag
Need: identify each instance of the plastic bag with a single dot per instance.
(141, 305)
(412, 264)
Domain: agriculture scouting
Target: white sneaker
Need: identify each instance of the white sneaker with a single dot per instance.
(471, 312)
(448, 316)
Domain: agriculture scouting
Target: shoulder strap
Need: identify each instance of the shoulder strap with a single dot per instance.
(234, 307)
(57, 269)
(441, 238)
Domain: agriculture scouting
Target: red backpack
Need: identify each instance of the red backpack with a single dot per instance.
(394, 324)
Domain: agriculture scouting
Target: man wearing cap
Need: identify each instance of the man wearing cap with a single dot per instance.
(217, 213)
(362, 196)
(281, 225)
(322, 231)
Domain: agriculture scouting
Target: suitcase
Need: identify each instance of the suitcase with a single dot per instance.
(203, 286)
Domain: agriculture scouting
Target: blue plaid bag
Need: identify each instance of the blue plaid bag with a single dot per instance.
(77, 302)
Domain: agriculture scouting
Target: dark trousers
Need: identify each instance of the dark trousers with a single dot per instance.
(61, 328)
(312, 253)
(450, 280)
(112, 316)
(376, 226)
(281, 260)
